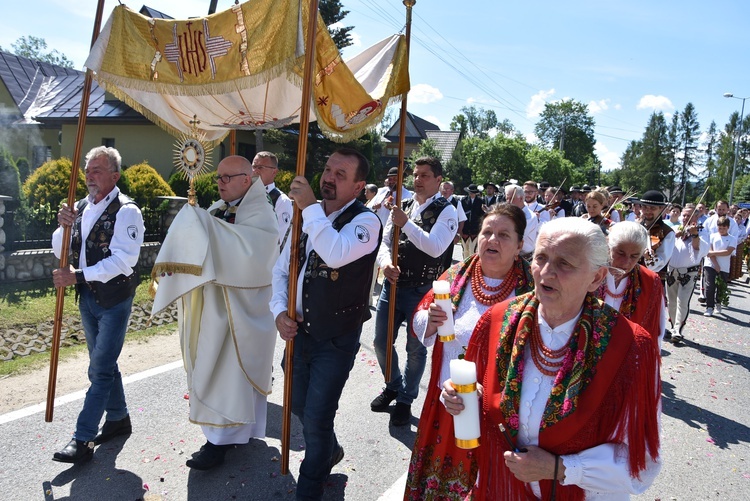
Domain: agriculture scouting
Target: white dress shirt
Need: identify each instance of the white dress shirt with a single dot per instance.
(357, 238)
(284, 211)
(433, 243)
(125, 247)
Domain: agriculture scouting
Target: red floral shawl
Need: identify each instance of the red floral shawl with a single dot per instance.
(617, 383)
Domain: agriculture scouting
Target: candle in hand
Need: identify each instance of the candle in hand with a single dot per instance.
(466, 424)
(442, 290)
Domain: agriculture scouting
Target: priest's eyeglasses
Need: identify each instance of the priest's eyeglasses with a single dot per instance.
(226, 177)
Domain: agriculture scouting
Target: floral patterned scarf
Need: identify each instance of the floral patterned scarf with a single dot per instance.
(633, 292)
(588, 343)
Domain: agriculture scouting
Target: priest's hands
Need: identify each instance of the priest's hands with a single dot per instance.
(301, 192)
(286, 326)
(533, 465)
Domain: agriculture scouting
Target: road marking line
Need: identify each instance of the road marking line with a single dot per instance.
(72, 397)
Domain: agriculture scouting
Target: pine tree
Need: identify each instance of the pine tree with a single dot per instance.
(689, 135)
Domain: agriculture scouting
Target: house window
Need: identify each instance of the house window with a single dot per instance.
(109, 142)
(392, 152)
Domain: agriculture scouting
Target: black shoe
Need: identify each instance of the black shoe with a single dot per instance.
(701, 300)
(401, 414)
(208, 457)
(112, 429)
(77, 451)
(677, 338)
(338, 456)
(667, 335)
(382, 401)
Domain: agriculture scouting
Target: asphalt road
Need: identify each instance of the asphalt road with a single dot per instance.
(705, 433)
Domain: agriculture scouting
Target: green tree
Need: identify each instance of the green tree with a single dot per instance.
(673, 145)
(568, 126)
(49, 184)
(457, 169)
(36, 48)
(10, 181)
(332, 12)
(688, 146)
(551, 166)
(495, 159)
(645, 163)
(145, 184)
(426, 149)
(473, 122)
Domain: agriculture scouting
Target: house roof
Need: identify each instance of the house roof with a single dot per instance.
(149, 12)
(416, 128)
(445, 142)
(47, 93)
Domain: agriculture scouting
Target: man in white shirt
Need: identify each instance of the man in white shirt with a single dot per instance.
(428, 225)
(106, 236)
(386, 196)
(530, 196)
(691, 246)
(266, 165)
(447, 189)
(514, 196)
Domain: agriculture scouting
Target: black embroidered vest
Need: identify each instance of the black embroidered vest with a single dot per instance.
(107, 294)
(335, 300)
(417, 267)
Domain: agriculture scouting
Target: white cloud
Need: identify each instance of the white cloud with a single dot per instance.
(618, 107)
(538, 100)
(356, 38)
(424, 94)
(435, 120)
(649, 101)
(598, 106)
(610, 159)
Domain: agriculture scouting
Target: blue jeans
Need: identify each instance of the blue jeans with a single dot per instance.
(407, 299)
(320, 371)
(105, 334)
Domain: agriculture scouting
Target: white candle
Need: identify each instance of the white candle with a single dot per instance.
(466, 424)
(442, 290)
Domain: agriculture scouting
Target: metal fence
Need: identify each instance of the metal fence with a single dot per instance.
(26, 230)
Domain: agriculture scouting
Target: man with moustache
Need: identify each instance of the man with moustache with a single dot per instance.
(337, 251)
(106, 237)
(660, 251)
(428, 225)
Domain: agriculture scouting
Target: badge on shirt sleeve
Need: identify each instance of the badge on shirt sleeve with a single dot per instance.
(285, 217)
(132, 232)
(452, 225)
(363, 234)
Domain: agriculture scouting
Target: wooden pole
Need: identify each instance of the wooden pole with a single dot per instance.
(233, 142)
(399, 183)
(304, 125)
(57, 325)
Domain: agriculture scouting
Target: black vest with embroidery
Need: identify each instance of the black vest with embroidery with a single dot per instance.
(118, 289)
(335, 301)
(417, 267)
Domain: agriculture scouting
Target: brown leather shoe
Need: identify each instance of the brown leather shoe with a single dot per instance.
(77, 451)
(112, 429)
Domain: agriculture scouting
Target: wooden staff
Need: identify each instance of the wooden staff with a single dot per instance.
(291, 311)
(399, 182)
(57, 325)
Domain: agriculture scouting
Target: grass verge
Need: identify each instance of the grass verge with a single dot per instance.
(21, 365)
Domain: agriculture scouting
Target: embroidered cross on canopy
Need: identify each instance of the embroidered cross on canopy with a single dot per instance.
(243, 68)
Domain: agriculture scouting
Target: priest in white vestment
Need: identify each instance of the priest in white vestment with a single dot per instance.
(217, 264)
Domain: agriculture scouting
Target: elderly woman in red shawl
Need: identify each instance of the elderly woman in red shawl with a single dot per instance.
(630, 288)
(439, 469)
(574, 383)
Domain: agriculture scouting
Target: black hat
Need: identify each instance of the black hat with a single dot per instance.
(653, 197)
(575, 189)
(490, 184)
(472, 188)
(586, 188)
(543, 185)
(614, 190)
(393, 171)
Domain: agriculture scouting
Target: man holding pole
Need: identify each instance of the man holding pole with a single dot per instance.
(107, 233)
(428, 225)
(337, 252)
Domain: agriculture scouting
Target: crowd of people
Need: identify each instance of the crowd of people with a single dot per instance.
(562, 301)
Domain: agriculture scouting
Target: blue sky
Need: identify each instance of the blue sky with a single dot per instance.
(624, 59)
